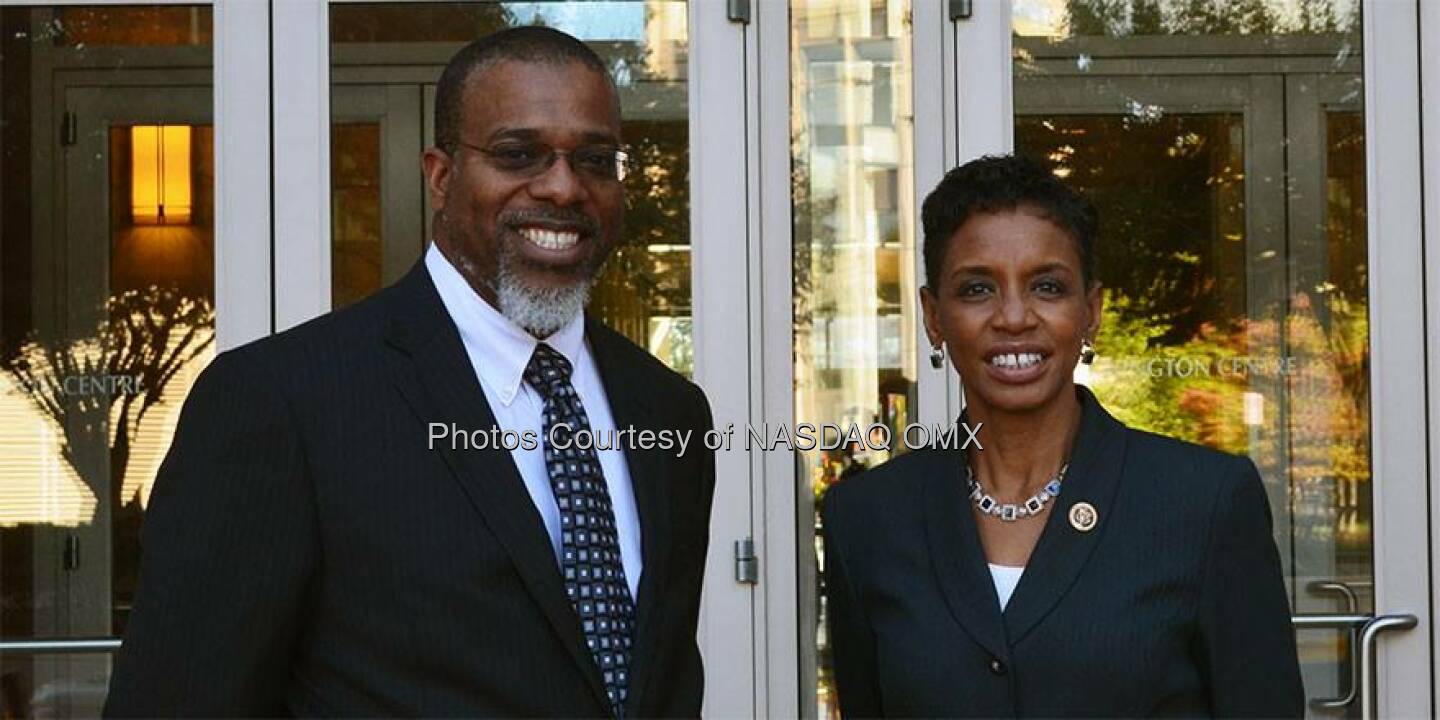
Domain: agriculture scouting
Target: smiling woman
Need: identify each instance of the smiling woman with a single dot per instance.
(1011, 300)
(1085, 549)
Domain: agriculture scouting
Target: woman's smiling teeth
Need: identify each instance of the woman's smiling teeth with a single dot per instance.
(550, 239)
(1017, 360)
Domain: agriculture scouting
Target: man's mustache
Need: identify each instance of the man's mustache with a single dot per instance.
(558, 219)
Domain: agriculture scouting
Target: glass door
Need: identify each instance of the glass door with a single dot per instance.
(1226, 152)
(854, 246)
(107, 266)
(142, 309)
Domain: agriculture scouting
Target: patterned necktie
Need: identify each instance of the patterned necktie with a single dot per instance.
(589, 545)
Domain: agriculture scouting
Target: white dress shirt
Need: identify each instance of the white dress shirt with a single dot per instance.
(499, 350)
(1006, 577)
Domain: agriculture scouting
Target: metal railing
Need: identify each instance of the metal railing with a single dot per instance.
(49, 646)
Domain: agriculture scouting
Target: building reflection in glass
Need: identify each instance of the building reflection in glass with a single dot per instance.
(106, 314)
(855, 294)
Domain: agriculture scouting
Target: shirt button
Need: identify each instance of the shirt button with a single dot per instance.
(996, 666)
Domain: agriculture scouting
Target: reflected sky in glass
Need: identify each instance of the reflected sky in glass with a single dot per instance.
(603, 20)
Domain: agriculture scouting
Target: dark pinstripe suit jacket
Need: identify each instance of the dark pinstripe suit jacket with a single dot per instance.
(305, 553)
(1173, 605)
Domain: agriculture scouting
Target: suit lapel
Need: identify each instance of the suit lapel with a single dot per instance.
(1062, 551)
(956, 553)
(631, 405)
(434, 374)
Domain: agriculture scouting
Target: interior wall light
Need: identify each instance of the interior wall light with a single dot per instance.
(160, 174)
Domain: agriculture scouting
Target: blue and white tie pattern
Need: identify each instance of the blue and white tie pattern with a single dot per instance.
(589, 545)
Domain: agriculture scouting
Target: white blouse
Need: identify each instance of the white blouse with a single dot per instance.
(1006, 578)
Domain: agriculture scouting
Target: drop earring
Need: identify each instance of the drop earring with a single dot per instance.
(937, 356)
(1087, 351)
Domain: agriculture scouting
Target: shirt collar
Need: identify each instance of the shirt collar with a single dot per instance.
(499, 349)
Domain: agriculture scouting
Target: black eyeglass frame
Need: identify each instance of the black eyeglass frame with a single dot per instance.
(549, 157)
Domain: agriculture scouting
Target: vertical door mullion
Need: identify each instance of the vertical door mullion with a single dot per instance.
(427, 138)
(1397, 349)
(933, 92)
(1430, 87)
(979, 103)
(1268, 258)
(777, 656)
(403, 206)
(242, 173)
(301, 49)
(722, 194)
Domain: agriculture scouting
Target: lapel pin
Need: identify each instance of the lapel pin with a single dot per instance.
(1083, 516)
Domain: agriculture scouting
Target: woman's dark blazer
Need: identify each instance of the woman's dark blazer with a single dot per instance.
(1173, 605)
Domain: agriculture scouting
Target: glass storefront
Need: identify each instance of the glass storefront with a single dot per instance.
(386, 58)
(107, 314)
(1224, 142)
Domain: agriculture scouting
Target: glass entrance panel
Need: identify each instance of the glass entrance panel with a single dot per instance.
(107, 256)
(855, 294)
(1224, 145)
(385, 60)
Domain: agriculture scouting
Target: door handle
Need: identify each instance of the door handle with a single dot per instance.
(1352, 606)
(1344, 589)
(1369, 688)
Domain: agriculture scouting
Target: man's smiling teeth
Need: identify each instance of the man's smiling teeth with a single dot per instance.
(550, 239)
(1014, 360)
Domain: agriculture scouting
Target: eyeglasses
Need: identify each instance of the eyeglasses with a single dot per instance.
(521, 160)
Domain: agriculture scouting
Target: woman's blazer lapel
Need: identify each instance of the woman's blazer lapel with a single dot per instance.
(1096, 465)
(955, 551)
(1061, 553)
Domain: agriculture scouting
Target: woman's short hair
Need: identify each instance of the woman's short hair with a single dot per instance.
(1001, 183)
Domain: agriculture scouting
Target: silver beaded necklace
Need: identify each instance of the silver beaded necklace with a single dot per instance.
(1010, 512)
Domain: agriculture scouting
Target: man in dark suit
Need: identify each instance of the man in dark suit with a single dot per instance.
(334, 531)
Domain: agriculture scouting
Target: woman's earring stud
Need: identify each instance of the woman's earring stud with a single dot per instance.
(937, 356)
(1087, 351)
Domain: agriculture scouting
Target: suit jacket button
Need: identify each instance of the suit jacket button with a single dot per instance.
(996, 666)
